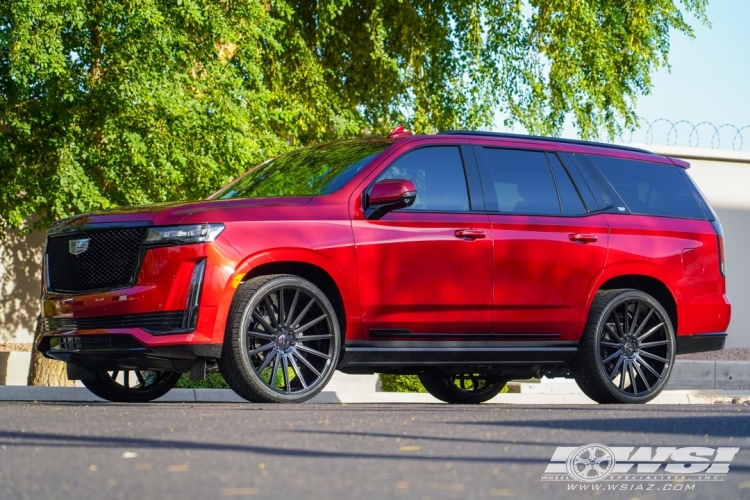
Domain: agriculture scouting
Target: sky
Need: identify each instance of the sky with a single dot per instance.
(709, 79)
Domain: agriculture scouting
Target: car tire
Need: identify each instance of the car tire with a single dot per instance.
(453, 388)
(147, 385)
(627, 350)
(282, 340)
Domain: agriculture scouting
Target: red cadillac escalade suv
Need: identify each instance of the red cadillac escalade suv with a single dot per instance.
(466, 258)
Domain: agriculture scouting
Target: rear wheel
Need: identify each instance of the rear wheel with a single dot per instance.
(627, 351)
(471, 388)
(282, 340)
(132, 386)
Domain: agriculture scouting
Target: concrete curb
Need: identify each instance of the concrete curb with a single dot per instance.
(81, 395)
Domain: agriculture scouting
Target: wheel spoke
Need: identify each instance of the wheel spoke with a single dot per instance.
(312, 351)
(626, 326)
(648, 333)
(298, 372)
(622, 374)
(616, 368)
(306, 363)
(611, 357)
(310, 324)
(281, 306)
(611, 344)
(263, 322)
(635, 318)
(654, 344)
(618, 323)
(631, 372)
(126, 378)
(114, 375)
(264, 336)
(302, 314)
(308, 338)
(643, 377)
(275, 369)
(269, 357)
(287, 383)
(140, 378)
(653, 356)
(612, 332)
(261, 349)
(271, 314)
(643, 323)
(648, 366)
(290, 313)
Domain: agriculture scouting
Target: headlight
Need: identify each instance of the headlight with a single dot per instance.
(181, 235)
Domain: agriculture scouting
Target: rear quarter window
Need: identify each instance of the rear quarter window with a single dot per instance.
(650, 188)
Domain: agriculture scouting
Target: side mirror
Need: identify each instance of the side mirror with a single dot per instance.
(387, 195)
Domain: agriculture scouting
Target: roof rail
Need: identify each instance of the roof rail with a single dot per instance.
(541, 138)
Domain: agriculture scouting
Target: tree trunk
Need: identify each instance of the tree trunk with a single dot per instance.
(45, 371)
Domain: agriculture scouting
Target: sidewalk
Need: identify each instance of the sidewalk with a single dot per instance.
(82, 395)
(692, 382)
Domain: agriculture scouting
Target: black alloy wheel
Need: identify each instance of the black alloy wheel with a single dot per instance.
(627, 351)
(132, 386)
(470, 388)
(282, 341)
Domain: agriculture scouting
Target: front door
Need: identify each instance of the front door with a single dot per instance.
(427, 270)
(549, 250)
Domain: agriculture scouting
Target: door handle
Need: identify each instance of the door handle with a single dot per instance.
(470, 234)
(583, 238)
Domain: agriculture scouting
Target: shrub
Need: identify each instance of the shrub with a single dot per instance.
(401, 383)
(212, 381)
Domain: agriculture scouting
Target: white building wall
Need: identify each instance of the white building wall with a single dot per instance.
(724, 178)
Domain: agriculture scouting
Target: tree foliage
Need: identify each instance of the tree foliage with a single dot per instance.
(118, 102)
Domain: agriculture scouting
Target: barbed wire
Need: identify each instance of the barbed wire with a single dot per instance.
(690, 132)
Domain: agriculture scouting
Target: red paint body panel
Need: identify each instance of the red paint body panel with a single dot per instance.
(653, 246)
(416, 274)
(542, 278)
(410, 270)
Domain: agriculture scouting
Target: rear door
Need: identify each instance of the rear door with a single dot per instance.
(427, 270)
(549, 248)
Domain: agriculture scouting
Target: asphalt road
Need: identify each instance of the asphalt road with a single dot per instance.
(207, 451)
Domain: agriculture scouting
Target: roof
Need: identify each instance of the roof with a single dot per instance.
(503, 135)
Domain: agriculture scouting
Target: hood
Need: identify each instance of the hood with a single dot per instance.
(162, 214)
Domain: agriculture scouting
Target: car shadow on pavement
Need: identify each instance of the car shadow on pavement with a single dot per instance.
(11, 439)
(736, 425)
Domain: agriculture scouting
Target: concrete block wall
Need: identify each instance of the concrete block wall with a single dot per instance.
(14, 367)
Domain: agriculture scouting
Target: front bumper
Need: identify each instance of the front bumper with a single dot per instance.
(124, 352)
(174, 312)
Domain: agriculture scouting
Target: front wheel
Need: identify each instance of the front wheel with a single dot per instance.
(471, 388)
(627, 351)
(131, 386)
(282, 340)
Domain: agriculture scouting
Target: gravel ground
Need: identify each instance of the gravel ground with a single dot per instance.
(734, 354)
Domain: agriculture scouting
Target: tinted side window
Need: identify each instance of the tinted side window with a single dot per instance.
(523, 182)
(438, 174)
(649, 188)
(569, 197)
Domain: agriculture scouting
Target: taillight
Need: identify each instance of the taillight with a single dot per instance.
(720, 236)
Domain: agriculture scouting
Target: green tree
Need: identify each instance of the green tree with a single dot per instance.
(117, 102)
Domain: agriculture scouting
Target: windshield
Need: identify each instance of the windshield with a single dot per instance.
(310, 171)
